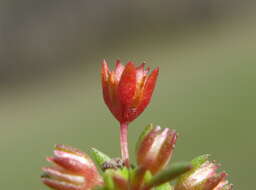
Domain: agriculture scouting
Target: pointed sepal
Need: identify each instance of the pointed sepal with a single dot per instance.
(99, 157)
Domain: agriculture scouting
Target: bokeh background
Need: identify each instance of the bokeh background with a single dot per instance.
(50, 54)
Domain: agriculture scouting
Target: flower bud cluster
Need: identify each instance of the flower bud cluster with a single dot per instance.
(127, 91)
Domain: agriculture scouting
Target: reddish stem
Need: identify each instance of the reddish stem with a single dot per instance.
(124, 143)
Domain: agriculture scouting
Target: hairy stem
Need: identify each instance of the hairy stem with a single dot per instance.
(124, 143)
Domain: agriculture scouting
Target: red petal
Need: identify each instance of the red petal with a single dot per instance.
(140, 72)
(118, 70)
(104, 82)
(148, 91)
(127, 84)
(104, 70)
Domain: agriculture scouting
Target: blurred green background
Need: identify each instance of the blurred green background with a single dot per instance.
(50, 85)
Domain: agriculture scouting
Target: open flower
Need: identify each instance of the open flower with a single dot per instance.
(73, 170)
(127, 90)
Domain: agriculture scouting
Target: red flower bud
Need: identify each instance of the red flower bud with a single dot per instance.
(204, 176)
(155, 148)
(127, 90)
(73, 170)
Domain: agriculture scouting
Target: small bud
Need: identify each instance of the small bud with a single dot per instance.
(203, 176)
(74, 170)
(155, 148)
(127, 90)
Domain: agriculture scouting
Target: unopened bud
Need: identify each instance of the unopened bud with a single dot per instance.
(74, 170)
(203, 176)
(155, 148)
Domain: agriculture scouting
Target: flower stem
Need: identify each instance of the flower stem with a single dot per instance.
(124, 143)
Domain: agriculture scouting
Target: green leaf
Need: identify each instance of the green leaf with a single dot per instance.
(144, 133)
(172, 173)
(99, 157)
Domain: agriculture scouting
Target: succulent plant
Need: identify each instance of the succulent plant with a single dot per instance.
(127, 91)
